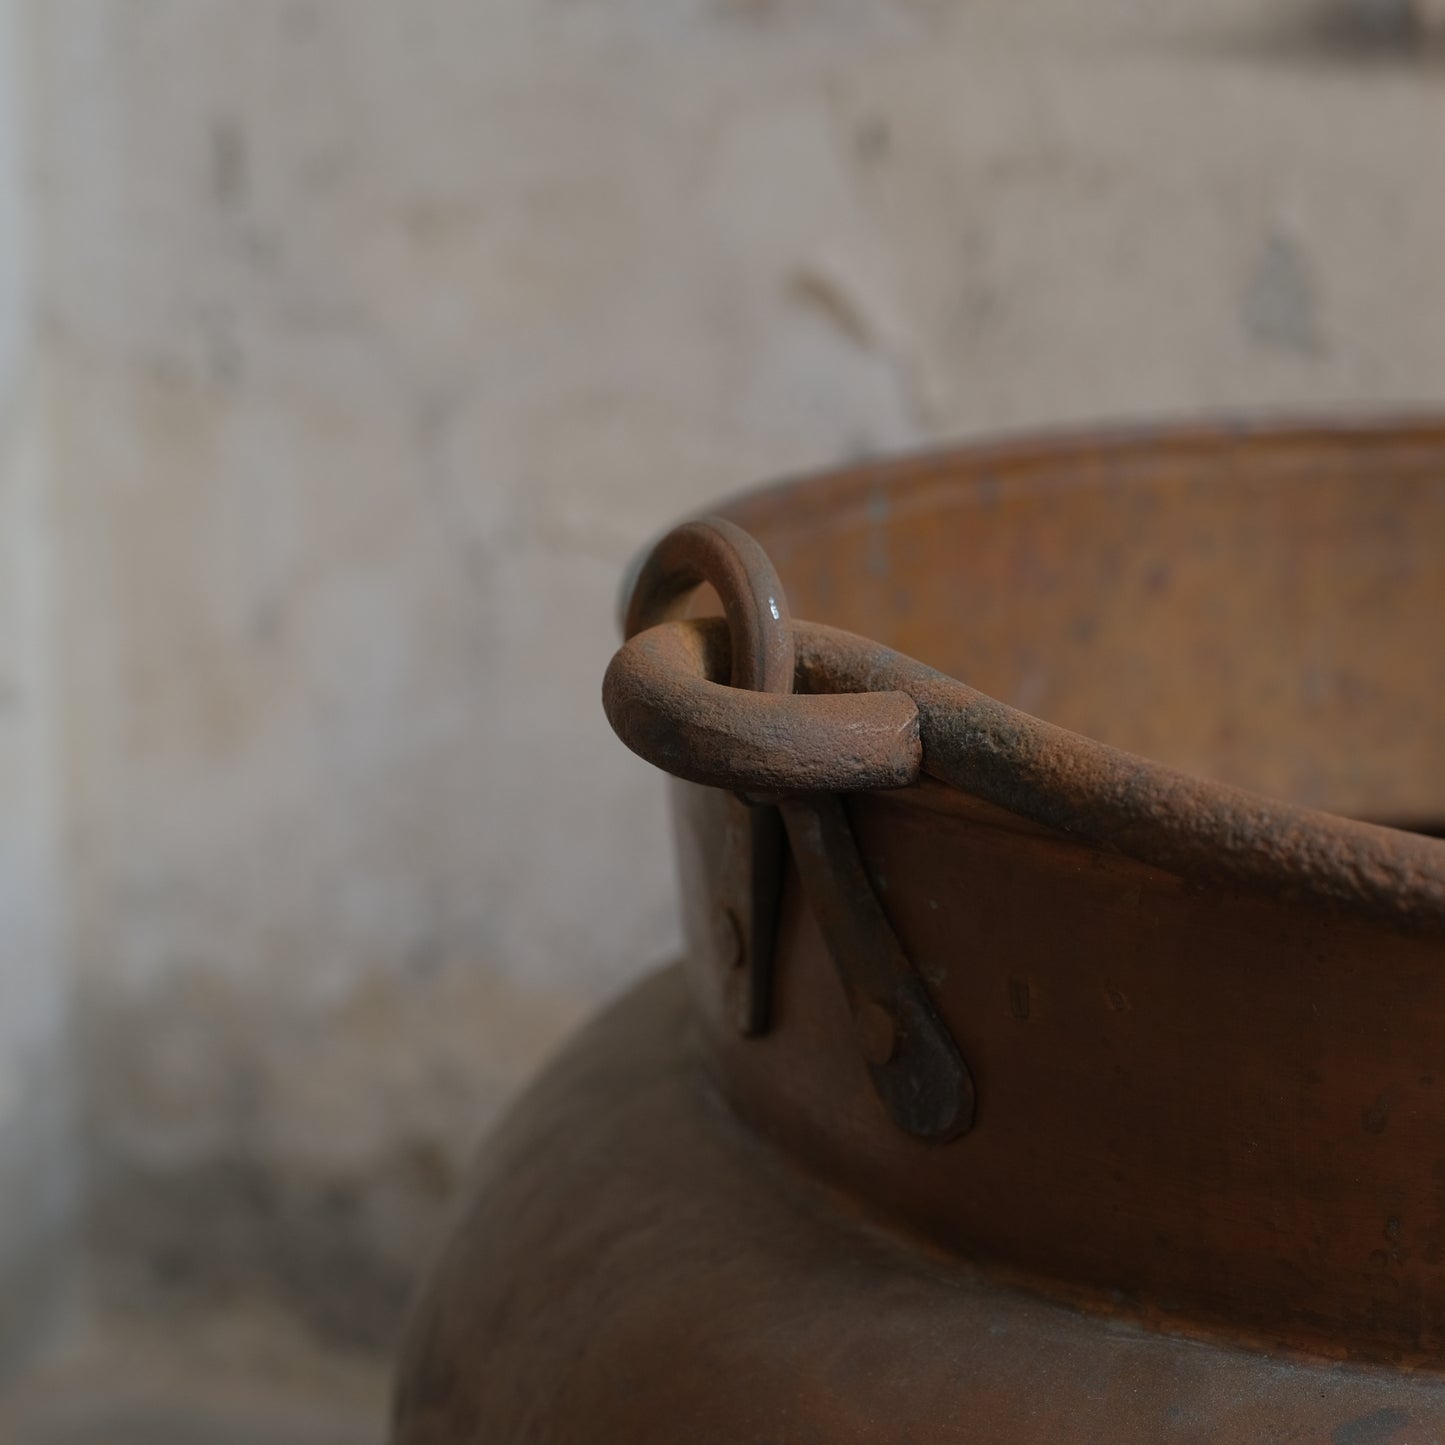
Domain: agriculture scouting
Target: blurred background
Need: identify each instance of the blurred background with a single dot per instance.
(348, 349)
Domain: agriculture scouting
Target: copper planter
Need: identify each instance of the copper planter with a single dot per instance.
(1065, 1080)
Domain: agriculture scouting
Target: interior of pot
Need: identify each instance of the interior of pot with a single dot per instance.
(1263, 606)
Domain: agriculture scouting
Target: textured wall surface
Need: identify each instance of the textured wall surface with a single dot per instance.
(380, 335)
(37, 1157)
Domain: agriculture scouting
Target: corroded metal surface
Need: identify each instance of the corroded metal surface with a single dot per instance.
(854, 730)
(1199, 983)
(719, 553)
(664, 697)
(913, 1060)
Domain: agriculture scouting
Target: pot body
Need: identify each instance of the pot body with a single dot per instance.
(638, 1266)
(1202, 1191)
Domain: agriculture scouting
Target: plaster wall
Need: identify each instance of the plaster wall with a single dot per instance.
(38, 1164)
(381, 335)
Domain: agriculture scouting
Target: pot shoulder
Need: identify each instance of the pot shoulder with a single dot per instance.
(633, 1265)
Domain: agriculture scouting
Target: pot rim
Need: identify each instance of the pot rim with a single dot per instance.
(1092, 791)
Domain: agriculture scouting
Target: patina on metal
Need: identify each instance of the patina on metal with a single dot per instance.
(760, 659)
(914, 1063)
(1163, 870)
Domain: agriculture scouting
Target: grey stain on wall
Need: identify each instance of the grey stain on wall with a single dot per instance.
(230, 168)
(1279, 304)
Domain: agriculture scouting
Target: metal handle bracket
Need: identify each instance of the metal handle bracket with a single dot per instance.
(661, 697)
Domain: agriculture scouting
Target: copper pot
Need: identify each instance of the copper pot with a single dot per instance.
(1025, 1080)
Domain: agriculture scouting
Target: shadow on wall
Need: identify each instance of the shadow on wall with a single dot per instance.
(1350, 31)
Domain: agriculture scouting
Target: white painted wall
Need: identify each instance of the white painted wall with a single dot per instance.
(381, 334)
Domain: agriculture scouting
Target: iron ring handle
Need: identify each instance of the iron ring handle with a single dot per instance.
(735, 565)
(664, 698)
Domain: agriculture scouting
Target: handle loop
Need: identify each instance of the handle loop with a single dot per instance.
(664, 699)
(721, 554)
